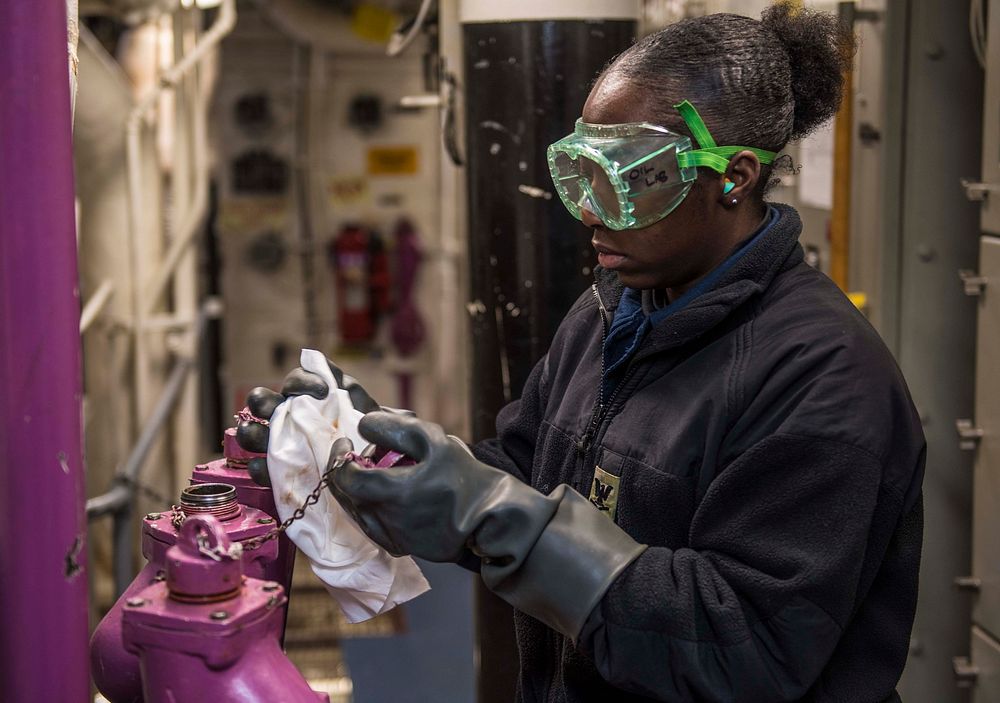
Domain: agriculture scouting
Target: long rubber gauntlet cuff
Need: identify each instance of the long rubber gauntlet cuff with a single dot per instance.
(576, 558)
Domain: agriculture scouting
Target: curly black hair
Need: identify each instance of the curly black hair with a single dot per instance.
(757, 83)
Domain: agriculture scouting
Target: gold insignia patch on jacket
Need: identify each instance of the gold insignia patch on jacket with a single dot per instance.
(604, 492)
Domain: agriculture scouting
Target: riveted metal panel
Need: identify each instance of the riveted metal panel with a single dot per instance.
(986, 480)
(991, 123)
(986, 658)
(936, 230)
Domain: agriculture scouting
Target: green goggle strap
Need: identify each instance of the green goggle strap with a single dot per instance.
(710, 155)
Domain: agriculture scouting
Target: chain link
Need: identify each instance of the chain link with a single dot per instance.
(248, 416)
(178, 517)
(217, 553)
(311, 499)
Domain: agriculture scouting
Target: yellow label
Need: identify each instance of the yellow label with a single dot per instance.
(860, 300)
(392, 160)
(373, 23)
(604, 492)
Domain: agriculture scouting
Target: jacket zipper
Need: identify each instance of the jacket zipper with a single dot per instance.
(584, 444)
(598, 421)
(601, 409)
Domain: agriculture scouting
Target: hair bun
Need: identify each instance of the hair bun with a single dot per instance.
(820, 51)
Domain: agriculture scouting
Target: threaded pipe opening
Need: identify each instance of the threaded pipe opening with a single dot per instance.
(218, 499)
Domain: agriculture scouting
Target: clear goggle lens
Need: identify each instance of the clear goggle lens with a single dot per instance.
(587, 186)
(627, 175)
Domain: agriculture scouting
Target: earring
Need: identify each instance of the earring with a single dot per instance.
(735, 201)
(727, 187)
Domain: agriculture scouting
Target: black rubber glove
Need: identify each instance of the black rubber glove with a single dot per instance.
(552, 557)
(253, 436)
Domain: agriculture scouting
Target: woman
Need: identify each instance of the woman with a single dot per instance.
(710, 487)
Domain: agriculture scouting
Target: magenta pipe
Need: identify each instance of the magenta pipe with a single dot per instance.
(201, 639)
(43, 637)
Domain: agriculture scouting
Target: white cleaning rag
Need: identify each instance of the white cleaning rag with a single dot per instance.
(363, 578)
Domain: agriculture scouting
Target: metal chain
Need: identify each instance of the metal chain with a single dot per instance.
(311, 499)
(217, 553)
(255, 542)
(178, 517)
(248, 416)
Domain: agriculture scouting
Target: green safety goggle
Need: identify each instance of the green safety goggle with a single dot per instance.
(632, 175)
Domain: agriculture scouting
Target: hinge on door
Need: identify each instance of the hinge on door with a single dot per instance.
(965, 671)
(977, 191)
(974, 283)
(968, 434)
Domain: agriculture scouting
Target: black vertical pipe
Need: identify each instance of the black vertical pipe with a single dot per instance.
(526, 83)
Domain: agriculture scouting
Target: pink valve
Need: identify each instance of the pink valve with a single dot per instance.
(232, 469)
(204, 566)
(221, 645)
(116, 671)
(236, 456)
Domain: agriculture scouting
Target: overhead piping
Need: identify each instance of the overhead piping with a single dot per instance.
(400, 41)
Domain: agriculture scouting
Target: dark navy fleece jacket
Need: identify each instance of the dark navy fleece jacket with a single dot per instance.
(767, 451)
(632, 320)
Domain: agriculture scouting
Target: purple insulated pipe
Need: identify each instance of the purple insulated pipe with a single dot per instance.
(43, 530)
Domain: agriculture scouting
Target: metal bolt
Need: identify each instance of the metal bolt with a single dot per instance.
(152, 516)
(265, 521)
(926, 253)
(270, 586)
(219, 615)
(135, 602)
(933, 51)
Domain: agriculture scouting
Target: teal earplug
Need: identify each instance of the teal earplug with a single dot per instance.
(728, 187)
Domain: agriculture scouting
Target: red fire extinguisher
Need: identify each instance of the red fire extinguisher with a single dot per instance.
(361, 271)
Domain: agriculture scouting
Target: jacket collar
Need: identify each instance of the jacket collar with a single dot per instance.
(777, 250)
